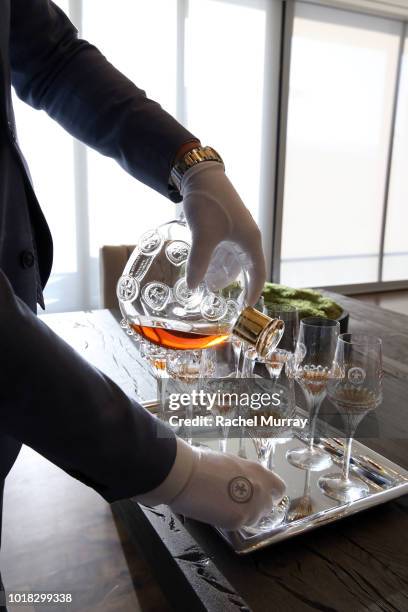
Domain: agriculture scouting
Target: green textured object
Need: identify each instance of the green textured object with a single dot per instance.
(310, 303)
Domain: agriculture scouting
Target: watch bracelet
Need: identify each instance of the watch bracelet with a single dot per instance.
(189, 160)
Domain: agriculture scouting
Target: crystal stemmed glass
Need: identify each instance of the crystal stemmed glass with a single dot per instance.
(258, 378)
(239, 348)
(312, 368)
(156, 357)
(355, 391)
(220, 367)
(259, 368)
(290, 316)
(186, 367)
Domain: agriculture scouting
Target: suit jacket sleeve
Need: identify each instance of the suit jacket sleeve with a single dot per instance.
(72, 81)
(57, 403)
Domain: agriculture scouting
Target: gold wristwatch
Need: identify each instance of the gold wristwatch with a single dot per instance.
(190, 159)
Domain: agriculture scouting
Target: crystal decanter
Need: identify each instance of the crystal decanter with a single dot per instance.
(158, 305)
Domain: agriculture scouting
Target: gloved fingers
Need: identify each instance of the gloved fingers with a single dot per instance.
(267, 495)
(249, 241)
(225, 265)
(202, 248)
(278, 488)
(258, 514)
(256, 272)
(228, 492)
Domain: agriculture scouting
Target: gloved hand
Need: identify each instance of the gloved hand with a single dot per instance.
(216, 214)
(220, 489)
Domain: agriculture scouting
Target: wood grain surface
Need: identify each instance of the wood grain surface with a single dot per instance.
(360, 563)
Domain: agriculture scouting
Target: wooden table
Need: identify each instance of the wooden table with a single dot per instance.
(360, 563)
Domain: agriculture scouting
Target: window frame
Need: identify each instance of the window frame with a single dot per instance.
(289, 15)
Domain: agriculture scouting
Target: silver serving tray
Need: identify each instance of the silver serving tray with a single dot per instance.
(306, 506)
(385, 479)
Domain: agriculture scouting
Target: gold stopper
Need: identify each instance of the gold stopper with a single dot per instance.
(259, 330)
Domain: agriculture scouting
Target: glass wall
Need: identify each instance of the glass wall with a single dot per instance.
(395, 265)
(342, 83)
(224, 79)
(203, 61)
(139, 40)
(215, 65)
(49, 151)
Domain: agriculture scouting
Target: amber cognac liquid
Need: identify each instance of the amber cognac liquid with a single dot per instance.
(179, 340)
(314, 381)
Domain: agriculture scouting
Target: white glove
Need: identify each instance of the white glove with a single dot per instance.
(219, 489)
(216, 214)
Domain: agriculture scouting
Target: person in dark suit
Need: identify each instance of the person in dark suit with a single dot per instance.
(50, 398)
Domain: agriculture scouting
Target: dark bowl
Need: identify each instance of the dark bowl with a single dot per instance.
(343, 319)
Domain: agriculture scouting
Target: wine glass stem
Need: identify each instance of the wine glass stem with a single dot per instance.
(313, 413)
(222, 445)
(237, 353)
(222, 442)
(264, 457)
(346, 459)
(162, 385)
(189, 429)
(272, 455)
(242, 443)
(307, 484)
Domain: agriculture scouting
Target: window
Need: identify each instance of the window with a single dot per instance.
(53, 177)
(224, 85)
(175, 50)
(396, 237)
(121, 208)
(339, 213)
(342, 81)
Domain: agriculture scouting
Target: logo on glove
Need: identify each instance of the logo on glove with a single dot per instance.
(240, 490)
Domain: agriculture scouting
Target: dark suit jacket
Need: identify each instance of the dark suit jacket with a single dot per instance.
(49, 397)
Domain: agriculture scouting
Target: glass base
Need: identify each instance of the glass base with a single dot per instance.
(349, 490)
(269, 522)
(314, 459)
(197, 444)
